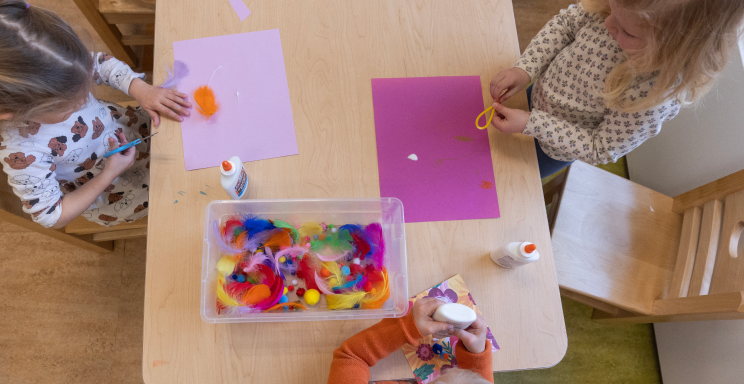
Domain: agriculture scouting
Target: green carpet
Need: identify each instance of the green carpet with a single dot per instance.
(597, 353)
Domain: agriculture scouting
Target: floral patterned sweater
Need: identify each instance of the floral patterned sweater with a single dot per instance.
(46, 161)
(569, 61)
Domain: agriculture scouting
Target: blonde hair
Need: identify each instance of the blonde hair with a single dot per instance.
(689, 46)
(44, 66)
(460, 376)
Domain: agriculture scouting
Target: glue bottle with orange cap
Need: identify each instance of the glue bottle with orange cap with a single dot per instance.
(515, 254)
(234, 179)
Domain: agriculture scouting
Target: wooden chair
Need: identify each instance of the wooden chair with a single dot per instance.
(105, 15)
(80, 232)
(638, 256)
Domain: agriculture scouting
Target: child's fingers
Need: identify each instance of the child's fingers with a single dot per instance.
(174, 107)
(169, 109)
(123, 139)
(180, 101)
(429, 305)
(154, 116)
(113, 144)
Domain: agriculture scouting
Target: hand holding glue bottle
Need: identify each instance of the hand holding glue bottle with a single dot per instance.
(234, 179)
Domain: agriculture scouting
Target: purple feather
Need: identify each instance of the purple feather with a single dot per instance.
(377, 243)
(180, 70)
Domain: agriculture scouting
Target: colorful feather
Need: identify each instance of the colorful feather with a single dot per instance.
(279, 240)
(308, 267)
(205, 100)
(362, 246)
(382, 293)
(293, 231)
(377, 244)
(180, 71)
(254, 262)
(346, 300)
(322, 286)
(226, 265)
(331, 258)
(222, 296)
(309, 230)
(254, 224)
(282, 306)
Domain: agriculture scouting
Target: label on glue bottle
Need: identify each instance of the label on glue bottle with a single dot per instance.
(515, 254)
(234, 179)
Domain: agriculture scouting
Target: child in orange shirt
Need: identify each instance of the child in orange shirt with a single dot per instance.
(351, 361)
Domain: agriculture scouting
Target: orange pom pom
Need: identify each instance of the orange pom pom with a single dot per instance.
(204, 97)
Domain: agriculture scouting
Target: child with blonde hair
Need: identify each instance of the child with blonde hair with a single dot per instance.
(351, 361)
(54, 133)
(608, 73)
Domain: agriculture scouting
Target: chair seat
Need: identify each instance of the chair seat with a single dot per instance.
(608, 228)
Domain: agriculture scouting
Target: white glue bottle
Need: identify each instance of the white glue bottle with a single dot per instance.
(234, 179)
(458, 315)
(515, 254)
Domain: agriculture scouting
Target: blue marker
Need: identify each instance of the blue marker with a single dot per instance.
(128, 145)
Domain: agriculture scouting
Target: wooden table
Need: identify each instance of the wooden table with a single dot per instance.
(332, 49)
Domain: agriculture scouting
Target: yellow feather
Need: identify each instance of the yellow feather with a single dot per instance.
(344, 300)
(222, 296)
(336, 278)
(309, 230)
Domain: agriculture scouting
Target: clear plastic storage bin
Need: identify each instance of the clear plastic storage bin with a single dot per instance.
(386, 211)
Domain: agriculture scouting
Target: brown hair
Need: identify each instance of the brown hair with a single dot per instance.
(44, 66)
(689, 46)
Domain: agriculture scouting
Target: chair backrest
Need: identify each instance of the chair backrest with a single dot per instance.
(710, 259)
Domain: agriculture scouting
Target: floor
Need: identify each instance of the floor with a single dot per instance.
(70, 316)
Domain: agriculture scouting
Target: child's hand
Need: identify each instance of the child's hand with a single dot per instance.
(156, 100)
(474, 336)
(511, 80)
(508, 120)
(117, 163)
(422, 311)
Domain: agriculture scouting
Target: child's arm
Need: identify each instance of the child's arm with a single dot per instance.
(473, 351)
(615, 135)
(155, 100)
(79, 200)
(351, 361)
(558, 33)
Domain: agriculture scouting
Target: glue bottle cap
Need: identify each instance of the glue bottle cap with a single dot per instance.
(226, 165)
(529, 248)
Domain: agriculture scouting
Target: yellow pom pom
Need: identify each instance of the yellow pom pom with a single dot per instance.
(286, 290)
(282, 260)
(311, 297)
(227, 264)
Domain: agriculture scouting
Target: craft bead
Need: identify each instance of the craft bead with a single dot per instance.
(355, 269)
(311, 297)
(294, 282)
(307, 238)
(299, 274)
(345, 270)
(356, 305)
(356, 261)
(437, 349)
(241, 279)
(308, 245)
(324, 273)
(330, 226)
(289, 262)
(282, 259)
(349, 278)
(322, 237)
(368, 287)
(283, 300)
(234, 276)
(334, 230)
(291, 288)
(286, 290)
(316, 237)
(300, 291)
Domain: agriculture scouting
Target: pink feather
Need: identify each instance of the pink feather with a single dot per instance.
(321, 285)
(257, 259)
(331, 258)
(296, 250)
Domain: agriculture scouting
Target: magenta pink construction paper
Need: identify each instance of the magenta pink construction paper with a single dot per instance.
(433, 118)
(254, 120)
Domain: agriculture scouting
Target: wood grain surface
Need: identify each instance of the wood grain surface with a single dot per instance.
(331, 50)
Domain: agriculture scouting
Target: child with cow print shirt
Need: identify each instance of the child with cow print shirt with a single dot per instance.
(54, 133)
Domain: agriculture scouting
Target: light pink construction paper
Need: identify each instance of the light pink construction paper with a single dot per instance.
(434, 118)
(240, 8)
(247, 74)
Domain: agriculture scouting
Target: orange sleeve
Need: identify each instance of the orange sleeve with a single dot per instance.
(479, 363)
(351, 361)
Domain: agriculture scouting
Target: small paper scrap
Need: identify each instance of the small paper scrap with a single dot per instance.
(240, 8)
(413, 157)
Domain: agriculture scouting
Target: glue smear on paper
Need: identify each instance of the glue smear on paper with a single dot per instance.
(240, 8)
